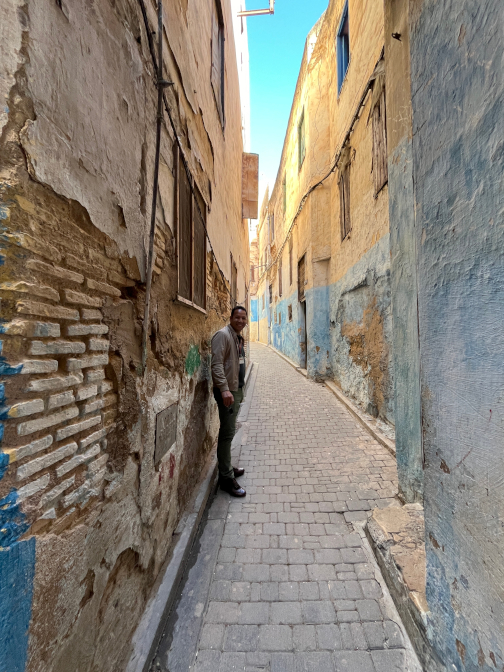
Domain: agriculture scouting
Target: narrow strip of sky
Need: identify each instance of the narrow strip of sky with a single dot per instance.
(276, 44)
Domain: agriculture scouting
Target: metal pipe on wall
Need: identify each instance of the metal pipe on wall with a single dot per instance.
(160, 86)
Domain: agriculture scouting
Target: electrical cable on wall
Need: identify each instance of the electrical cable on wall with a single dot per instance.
(332, 169)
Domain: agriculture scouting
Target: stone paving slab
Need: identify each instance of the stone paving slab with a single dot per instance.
(294, 589)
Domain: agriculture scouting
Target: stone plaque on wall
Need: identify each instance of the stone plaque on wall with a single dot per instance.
(166, 431)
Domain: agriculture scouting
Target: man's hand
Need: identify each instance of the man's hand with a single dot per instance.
(227, 399)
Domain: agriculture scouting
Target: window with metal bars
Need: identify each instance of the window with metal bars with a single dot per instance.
(191, 241)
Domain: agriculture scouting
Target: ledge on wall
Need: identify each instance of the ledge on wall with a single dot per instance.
(397, 537)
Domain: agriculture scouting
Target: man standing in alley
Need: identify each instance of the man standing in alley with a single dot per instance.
(228, 375)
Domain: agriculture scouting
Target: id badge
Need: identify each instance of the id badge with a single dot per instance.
(241, 360)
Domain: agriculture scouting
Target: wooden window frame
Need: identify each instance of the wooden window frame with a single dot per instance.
(301, 140)
(380, 159)
(344, 189)
(343, 47)
(234, 281)
(217, 60)
(290, 260)
(301, 280)
(193, 187)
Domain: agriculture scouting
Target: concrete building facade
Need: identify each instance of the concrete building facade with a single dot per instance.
(100, 454)
(324, 294)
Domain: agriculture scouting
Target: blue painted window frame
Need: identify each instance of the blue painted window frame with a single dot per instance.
(343, 47)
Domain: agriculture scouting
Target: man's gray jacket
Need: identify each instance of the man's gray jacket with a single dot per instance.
(225, 361)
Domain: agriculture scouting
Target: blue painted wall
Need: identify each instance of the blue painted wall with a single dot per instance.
(253, 311)
(286, 334)
(457, 56)
(17, 564)
(364, 289)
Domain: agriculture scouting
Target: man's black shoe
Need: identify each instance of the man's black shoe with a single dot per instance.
(238, 471)
(232, 486)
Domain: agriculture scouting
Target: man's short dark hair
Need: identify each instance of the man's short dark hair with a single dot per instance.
(238, 308)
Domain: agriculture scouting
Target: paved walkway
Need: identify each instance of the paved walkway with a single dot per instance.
(293, 589)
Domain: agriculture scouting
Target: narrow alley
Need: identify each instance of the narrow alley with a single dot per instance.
(260, 235)
(291, 584)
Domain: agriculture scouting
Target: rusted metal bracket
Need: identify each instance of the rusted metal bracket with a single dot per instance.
(259, 12)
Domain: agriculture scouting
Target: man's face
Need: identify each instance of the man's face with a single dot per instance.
(238, 320)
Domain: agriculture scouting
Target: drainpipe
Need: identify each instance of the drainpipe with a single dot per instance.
(161, 84)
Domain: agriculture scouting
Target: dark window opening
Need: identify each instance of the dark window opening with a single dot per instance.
(280, 290)
(234, 282)
(301, 278)
(272, 227)
(279, 318)
(270, 294)
(217, 74)
(290, 261)
(343, 47)
(344, 189)
(289, 312)
(301, 141)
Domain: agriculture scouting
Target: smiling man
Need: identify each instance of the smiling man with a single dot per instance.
(228, 375)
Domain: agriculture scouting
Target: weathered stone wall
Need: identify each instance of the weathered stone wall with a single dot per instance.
(86, 514)
(348, 302)
(457, 79)
(406, 352)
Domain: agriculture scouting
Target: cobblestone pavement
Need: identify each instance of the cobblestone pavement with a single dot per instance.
(293, 589)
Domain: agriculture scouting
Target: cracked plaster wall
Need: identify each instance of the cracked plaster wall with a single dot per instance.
(348, 302)
(458, 154)
(76, 150)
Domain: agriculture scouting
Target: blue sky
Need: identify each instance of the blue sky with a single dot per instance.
(276, 45)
